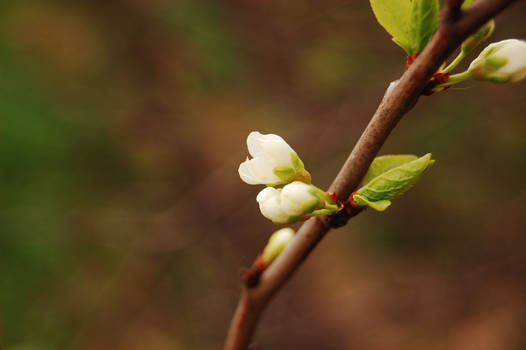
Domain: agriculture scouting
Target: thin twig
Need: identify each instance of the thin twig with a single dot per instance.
(399, 98)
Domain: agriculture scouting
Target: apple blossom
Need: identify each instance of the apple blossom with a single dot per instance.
(274, 162)
(501, 62)
(294, 202)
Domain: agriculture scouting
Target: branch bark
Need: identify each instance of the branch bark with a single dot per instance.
(399, 98)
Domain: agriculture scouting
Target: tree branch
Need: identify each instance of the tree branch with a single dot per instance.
(399, 98)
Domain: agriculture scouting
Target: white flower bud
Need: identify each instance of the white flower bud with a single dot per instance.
(501, 62)
(274, 162)
(289, 204)
(276, 244)
(269, 200)
(298, 198)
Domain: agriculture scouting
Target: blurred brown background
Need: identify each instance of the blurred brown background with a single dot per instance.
(123, 220)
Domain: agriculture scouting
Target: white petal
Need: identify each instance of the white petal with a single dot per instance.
(254, 144)
(267, 193)
(255, 140)
(515, 51)
(270, 205)
(297, 197)
(263, 171)
(272, 210)
(246, 174)
(277, 153)
(291, 207)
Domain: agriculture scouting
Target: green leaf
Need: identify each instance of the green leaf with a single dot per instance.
(378, 205)
(393, 182)
(384, 163)
(423, 23)
(394, 16)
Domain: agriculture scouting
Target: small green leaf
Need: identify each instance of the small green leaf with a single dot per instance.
(394, 16)
(423, 23)
(378, 205)
(393, 182)
(384, 163)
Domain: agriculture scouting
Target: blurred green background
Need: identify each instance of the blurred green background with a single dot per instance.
(123, 220)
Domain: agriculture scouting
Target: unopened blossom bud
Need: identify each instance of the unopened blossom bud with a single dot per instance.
(276, 244)
(292, 203)
(269, 200)
(274, 162)
(501, 62)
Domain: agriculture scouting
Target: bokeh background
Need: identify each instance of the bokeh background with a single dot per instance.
(123, 221)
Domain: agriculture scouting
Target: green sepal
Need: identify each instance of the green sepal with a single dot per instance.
(378, 205)
(285, 173)
(394, 181)
(384, 163)
(289, 174)
(327, 210)
(423, 23)
(494, 62)
(297, 164)
(299, 168)
(292, 219)
(313, 204)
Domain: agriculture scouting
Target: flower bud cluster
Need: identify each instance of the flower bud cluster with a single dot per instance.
(275, 163)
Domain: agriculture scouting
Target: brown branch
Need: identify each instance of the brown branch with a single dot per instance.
(399, 98)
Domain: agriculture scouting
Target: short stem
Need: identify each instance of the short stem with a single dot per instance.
(328, 210)
(456, 78)
(455, 62)
(324, 196)
(332, 208)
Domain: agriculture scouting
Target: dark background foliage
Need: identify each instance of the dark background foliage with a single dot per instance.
(123, 221)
